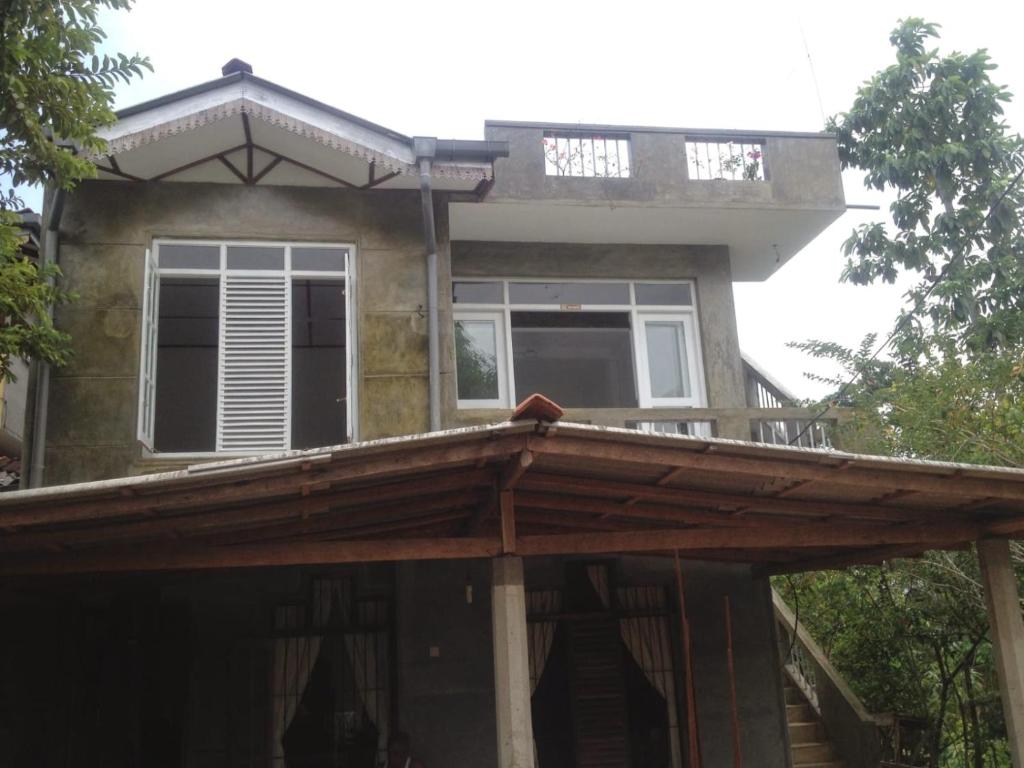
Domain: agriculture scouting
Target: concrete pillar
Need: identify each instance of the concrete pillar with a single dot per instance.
(1004, 616)
(511, 664)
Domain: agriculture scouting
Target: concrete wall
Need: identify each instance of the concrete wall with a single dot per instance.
(802, 171)
(106, 229)
(108, 226)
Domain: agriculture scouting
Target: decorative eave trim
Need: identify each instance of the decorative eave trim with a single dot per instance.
(190, 122)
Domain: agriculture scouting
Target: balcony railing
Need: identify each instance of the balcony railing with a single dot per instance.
(587, 155)
(712, 159)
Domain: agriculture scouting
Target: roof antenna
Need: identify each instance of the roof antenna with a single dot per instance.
(236, 65)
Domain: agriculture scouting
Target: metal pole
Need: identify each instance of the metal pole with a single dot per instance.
(425, 149)
(737, 754)
(693, 759)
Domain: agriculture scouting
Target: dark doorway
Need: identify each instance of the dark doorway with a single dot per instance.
(606, 690)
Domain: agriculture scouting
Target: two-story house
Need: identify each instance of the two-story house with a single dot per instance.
(281, 510)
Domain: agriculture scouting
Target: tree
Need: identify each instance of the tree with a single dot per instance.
(930, 128)
(55, 92)
(912, 636)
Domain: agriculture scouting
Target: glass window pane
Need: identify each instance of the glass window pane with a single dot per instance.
(666, 358)
(665, 294)
(255, 257)
(319, 379)
(477, 293)
(476, 359)
(189, 256)
(577, 359)
(319, 259)
(568, 293)
(186, 385)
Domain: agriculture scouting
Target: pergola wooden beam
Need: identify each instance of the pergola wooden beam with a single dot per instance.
(781, 536)
(175, 557)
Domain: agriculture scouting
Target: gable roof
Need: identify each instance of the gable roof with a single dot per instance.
(243, 129)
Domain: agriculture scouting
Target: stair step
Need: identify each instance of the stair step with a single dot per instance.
(812, 752)
(806, 733)
(800, 713)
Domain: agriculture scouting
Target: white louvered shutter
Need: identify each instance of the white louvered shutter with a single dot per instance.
(147, 356)
(254, 394)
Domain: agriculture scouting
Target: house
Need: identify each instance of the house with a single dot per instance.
(282, 508)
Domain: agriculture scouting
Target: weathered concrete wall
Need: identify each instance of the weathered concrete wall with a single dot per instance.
(705, 265)
(802, 171)
(106, 229)
(446, 702)
(108, 226)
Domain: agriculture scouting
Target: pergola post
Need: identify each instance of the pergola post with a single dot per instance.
(511, 664)
(1004, 615)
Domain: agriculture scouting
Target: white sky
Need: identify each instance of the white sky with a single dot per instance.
(440, 68)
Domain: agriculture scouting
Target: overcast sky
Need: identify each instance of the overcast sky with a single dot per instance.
(440, 68)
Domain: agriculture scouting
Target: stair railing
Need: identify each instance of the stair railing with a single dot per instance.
(855, 733)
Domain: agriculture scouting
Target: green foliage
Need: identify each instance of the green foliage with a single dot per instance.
(941, 406)
(930, 128)
(912, 636)
(55, 92)
(26, 293)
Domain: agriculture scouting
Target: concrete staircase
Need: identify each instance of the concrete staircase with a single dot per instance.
(811, 747)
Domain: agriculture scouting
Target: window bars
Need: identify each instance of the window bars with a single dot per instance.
(587, 155)
(711, 159)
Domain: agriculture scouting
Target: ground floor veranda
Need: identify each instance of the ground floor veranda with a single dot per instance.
(506, 595)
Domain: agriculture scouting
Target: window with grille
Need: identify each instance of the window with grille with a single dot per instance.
(593, 155)
(244, 347)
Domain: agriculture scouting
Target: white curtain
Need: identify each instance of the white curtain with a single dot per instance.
(650, 642)
(296, 655)
(367, 656)
(541, 633)
(294, 658)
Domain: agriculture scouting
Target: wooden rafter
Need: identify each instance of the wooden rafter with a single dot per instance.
(212, 494)
(208, 159)
(817, 469)
(725, 501)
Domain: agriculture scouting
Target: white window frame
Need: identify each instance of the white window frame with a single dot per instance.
(638, 313)
(151, 305)
(643, 370)
(501, 357)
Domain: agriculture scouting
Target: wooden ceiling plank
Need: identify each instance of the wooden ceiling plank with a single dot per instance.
(254, 514)
(434, 462)
(789, 467)
(730, 501)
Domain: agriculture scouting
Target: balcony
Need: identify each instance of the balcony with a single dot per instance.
(764, 195)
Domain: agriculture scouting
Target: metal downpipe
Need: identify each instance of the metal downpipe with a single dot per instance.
(433, 340)
(41, 401)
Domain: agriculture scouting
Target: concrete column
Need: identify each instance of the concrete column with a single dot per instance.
(511, 664)
(1004, 616)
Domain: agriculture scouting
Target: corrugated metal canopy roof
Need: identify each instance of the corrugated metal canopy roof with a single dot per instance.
(529, 487)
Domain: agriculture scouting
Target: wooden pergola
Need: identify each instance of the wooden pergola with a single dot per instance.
(536, 486)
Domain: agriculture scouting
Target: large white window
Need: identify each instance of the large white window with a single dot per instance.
(245, 347)
(584, 344)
